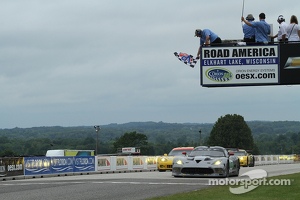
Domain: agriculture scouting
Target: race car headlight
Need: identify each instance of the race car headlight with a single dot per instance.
(241, 158)
(164, 159)
(179, 162)
(218, 162)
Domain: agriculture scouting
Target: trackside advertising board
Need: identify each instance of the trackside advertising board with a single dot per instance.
(11, 166)
(56, 165)
(239, 65)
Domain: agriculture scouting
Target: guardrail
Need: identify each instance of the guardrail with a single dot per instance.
(41, 166)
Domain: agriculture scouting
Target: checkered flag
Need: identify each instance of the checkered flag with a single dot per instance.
(186, 58)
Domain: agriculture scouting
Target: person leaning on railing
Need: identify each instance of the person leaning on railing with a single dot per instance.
(207, 38)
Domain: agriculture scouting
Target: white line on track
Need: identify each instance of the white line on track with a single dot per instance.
(151, 183)
(99, 182)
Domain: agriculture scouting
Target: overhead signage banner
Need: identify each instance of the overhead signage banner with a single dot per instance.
(239, 65)
(290, 63)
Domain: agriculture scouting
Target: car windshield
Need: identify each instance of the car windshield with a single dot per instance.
(179, 152)
(239, 153)
(213, 152)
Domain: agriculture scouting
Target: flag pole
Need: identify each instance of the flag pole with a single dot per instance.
(243, 8)
(243, 11)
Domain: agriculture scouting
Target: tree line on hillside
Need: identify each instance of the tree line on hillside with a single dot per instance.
(157, 138)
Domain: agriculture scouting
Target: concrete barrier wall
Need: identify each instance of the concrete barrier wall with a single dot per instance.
(133, 163)
(32, 166)
(274, 159)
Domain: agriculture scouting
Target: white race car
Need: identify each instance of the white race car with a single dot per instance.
(206, 161)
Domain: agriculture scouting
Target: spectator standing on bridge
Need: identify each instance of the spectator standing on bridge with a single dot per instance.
(262, 29)
(249, 31)
(293, 32)
(282, 32)
(207, 38)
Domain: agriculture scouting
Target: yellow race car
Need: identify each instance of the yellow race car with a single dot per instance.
(246, 159)
(164, 162)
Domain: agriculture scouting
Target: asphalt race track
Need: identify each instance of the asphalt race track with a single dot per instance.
(115, 186)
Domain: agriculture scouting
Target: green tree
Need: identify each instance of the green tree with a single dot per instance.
(231, 131)
(132, 139)
(8, 153)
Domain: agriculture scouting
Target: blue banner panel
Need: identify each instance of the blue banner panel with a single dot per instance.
(58, 165)
(84, 163)
(62, 164)
(37, 165)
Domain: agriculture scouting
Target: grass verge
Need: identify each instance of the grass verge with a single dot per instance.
(262, 192)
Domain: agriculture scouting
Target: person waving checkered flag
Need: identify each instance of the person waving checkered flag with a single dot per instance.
(186, 58)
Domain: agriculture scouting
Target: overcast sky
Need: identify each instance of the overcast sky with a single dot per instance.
(96, 62)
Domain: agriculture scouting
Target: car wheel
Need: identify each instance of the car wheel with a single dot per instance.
(227, 170)
(253, 161)
(238, 168)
